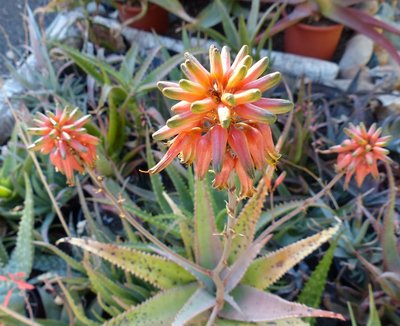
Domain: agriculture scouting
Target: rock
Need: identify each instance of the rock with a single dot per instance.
(390, 101)
(358, 52)
(344, 84)
(388, 77)
(94, 8)
(11, 88)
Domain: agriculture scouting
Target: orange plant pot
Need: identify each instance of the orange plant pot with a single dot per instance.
(312, 41)
(156, 17)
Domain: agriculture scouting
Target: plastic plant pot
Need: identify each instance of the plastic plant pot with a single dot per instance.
(156, 17)
(312, 41)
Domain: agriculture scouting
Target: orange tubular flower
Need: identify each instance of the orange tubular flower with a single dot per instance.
(359, 155)
(64, 138)
(221, 118)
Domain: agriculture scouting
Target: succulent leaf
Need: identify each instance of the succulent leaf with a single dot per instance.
(154, 269)
(391, 254)
(159, 310)
(247, 220)
(250, 300)
(202, 278)
(200, 302)
(22, 257)
(77, 308)
(107, 288)
(312, 292)
(239, 268)
(3, 255)
(68, 259)
(182, 189)
(284, 208)
(373, 319)
(281, 322)
(208, 247)
(265, 271)
(156, 183)
(184, 227)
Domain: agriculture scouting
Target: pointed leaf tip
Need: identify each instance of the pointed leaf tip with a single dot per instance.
(266, 270)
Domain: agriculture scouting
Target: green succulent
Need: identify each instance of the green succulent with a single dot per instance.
(190, 291)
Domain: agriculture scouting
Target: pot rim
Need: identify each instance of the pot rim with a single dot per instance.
(319, 28)
(126, 6)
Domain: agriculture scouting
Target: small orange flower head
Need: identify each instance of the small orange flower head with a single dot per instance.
(221, 118)
(360, 154)
(64, 138)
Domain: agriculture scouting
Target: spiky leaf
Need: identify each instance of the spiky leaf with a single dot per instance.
(373, 319)
(95, 67)
(284, 208)
(391, 255)
(282, 322)
(68, 259)
(159, 310)
(265, 271)
(22, 257)
(245, 226)
(77, 308)
(154, 269)
(208, 247)
(260, 306)
(200, 301)
(3, 255)
(156, 183)
(242, 263)
(181, 188)
(184, 226)
(107, 288)
(314, 288)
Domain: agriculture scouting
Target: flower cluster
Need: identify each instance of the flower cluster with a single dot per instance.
(64, 138)
(221, 118)
(359, 155)
(18, 280)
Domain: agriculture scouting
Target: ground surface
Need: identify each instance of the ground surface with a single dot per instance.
(12, 32)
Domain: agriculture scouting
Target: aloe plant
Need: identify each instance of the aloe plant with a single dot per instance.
(21, 259)
(226, 282)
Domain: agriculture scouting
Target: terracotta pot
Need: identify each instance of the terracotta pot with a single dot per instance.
(313, 41)
(156, 17)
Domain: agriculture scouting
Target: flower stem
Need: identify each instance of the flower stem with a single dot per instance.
(223, 262)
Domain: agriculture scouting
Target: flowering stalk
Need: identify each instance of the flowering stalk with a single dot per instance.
(223, 262)
(222, 119)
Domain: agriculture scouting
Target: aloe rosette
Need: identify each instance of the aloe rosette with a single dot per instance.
(187, 294)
